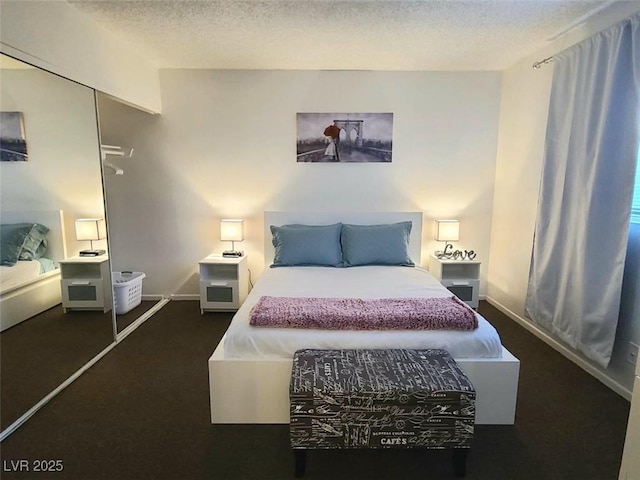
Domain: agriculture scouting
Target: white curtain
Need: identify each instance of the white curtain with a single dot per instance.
(586, 189)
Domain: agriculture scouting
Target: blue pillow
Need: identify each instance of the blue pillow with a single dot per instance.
(18, 237)
(376, 244)
(35, 243)
(302, 245)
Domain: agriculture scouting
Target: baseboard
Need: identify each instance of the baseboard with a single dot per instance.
(152, 298)
(184, 296)
(563, 349)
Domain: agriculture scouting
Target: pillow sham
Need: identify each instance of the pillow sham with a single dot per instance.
(305, 245)
(17, 238)
(376, 244)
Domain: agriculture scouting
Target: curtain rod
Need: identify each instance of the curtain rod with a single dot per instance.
(537, 65)
(576, 23)
(579, 21)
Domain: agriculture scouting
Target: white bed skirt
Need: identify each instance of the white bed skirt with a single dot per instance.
(254, 390)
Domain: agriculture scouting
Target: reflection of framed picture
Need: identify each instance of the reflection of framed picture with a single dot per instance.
(13, 141)
(344, 137)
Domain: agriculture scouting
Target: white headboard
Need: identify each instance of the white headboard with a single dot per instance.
(356, 218)
(52, 219)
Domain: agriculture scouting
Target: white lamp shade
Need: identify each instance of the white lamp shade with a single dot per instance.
(232, 230)
(447, 230)
(91, 229)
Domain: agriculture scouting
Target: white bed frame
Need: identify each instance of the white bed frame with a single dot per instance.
(253, 390)
(25, 300)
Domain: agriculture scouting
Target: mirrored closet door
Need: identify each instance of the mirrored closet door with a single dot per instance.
(125, 154)
(55, 307)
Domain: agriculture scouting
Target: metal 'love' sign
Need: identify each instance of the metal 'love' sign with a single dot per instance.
(450, 254)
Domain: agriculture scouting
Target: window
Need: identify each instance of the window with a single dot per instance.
(635, 204)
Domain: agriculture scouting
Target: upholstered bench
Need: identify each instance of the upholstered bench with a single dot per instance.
(380, 399)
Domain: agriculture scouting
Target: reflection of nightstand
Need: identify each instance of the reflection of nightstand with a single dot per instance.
(86, 283)
(462, 277)
(224, 283)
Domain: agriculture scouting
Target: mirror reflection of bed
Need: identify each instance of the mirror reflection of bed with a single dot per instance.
(40, 345)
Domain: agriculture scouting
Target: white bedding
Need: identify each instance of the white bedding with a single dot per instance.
(244, 340)
(22, 272)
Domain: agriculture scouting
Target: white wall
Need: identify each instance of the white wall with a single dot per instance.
(56, 37)
(225, 147)
(523, 121)
(63, 170)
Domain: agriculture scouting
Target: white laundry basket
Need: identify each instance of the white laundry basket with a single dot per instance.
(127, 290)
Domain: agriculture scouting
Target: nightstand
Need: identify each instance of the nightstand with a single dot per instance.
(85, 283)
(461, 277)
(224, 283)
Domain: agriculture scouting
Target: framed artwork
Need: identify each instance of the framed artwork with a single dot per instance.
(13, 141)
(344, 137)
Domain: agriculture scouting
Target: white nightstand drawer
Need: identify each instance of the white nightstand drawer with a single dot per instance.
(217, 294)
(83, 293)
(465, 290)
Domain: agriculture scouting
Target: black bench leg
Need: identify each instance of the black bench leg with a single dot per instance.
(460, 461)
(300, 457)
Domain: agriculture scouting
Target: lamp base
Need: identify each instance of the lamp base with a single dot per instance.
(232, 253)
(91, 253)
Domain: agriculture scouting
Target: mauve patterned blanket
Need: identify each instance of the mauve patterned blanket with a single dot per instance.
(363, 314)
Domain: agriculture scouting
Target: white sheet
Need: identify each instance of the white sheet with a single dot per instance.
(22, 272)
(244, 340)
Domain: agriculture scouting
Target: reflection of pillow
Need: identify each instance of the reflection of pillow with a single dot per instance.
(376, 244)
(35, 244)
(18, 237)
(307, 245)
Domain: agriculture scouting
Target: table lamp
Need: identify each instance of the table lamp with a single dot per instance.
(232, 230)
(447, 231)
(91, 229)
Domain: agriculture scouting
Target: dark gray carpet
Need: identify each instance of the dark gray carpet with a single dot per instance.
(143, 413)
(39, 354)
(123, 320)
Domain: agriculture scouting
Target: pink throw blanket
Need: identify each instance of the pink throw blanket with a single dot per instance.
(364, 314)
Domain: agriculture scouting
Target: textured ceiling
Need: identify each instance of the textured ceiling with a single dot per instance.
(337, 34)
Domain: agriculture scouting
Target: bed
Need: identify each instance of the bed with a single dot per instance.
(31, 287)
(250, 368)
